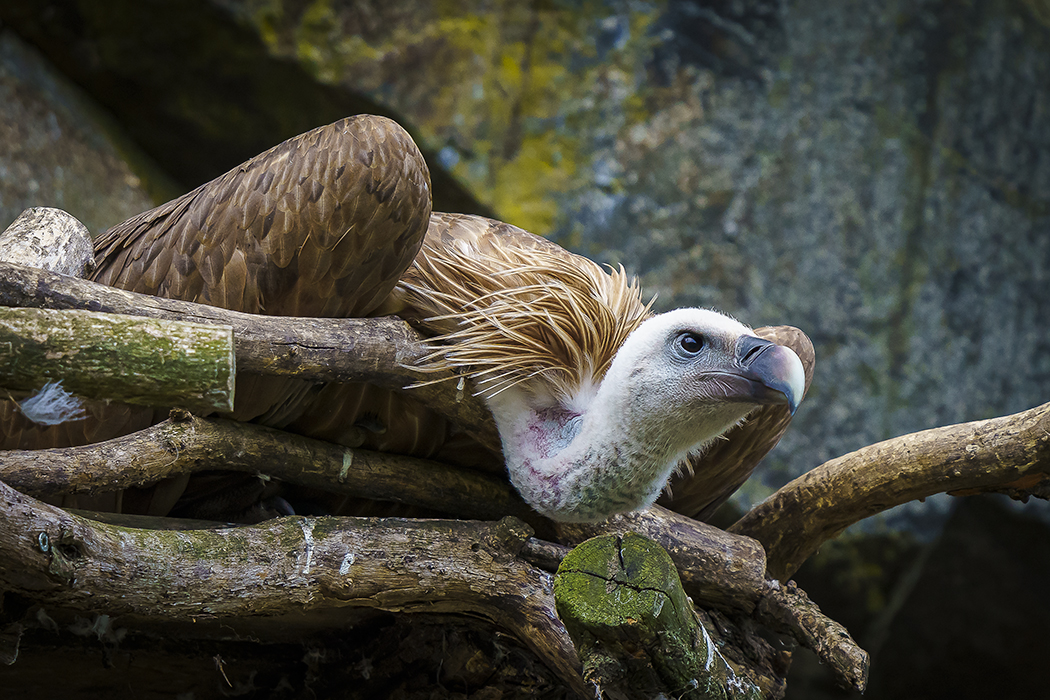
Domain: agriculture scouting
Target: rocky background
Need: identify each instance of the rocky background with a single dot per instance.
(877, 174)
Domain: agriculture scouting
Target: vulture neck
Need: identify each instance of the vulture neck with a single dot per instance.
(605, 451)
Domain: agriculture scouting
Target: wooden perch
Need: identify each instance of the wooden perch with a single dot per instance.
(637, 634)
(185, 444)
(382, 351)
(49, 239)
(1010, 454)
(723, 571)
(108, 356)
(284, 566)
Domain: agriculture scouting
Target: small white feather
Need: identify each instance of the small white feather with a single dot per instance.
(53, 405)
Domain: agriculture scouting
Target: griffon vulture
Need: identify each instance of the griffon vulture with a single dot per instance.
(597, 401)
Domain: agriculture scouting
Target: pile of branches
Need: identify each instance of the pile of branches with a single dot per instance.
(652, 602)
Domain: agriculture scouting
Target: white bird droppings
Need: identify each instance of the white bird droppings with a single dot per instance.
(308, 537)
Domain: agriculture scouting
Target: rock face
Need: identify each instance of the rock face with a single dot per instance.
(56, 149)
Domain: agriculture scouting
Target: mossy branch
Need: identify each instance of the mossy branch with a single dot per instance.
(381, 351)
(636, 631)
(121, 358)
(286, 566)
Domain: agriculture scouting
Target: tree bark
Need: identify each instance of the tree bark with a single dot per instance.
(636, 632)
(382, 351)
(186, 444)
(287, 565)
(121, 358)
(1010, 454)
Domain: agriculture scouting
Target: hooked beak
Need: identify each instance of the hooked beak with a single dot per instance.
(773, 373)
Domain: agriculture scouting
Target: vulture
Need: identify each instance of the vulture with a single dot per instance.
(598, 402)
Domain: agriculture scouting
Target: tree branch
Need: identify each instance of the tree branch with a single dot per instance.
(727, 572)
(122, 358)
(1010, 454)
(284, 566)
(185, 444)
(381, 351)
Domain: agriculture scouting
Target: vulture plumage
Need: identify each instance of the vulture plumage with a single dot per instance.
(598, 402)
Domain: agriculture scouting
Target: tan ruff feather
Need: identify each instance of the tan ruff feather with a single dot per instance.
(515, 314)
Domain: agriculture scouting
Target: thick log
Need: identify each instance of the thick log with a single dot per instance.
(285, 566)
(718, 569)
(1010, 454)
(726, 572)
(185, 444)
(107, 356)
(636, 632)
(382, 351)
(49, 239)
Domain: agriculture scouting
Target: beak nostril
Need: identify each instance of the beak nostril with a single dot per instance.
(753, 347)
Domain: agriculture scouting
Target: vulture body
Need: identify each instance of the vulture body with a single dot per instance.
(597, 401)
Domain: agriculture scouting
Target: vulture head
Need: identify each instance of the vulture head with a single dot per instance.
(597, 402)
(678, 382)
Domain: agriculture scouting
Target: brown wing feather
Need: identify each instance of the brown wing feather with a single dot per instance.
(710, 479)
(323, 224)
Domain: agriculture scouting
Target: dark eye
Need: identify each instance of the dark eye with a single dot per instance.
(691, 343)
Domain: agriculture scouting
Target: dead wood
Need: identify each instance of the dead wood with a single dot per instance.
(381, 351)
(121, 358)
(1010, 454)
(49, 239)
(186, 444)
(284, 566)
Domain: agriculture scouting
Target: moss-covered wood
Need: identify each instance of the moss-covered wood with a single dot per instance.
(634, 628)
(108, 356)
(293, 568)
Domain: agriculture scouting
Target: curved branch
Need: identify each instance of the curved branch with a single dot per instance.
(381, 351)
(288, 565)
(185, 444)
(1010, 454)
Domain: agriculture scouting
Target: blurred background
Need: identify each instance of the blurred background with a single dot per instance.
(877, 174)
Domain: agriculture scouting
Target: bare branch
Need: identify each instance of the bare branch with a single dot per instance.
(1010, 454)
(285, 566)
(381, 351)
(185, 444)
(789, 610)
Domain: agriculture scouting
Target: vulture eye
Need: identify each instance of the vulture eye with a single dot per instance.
(691, 343)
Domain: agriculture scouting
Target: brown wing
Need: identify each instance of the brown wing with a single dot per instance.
(714, 476)
(321, 225)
